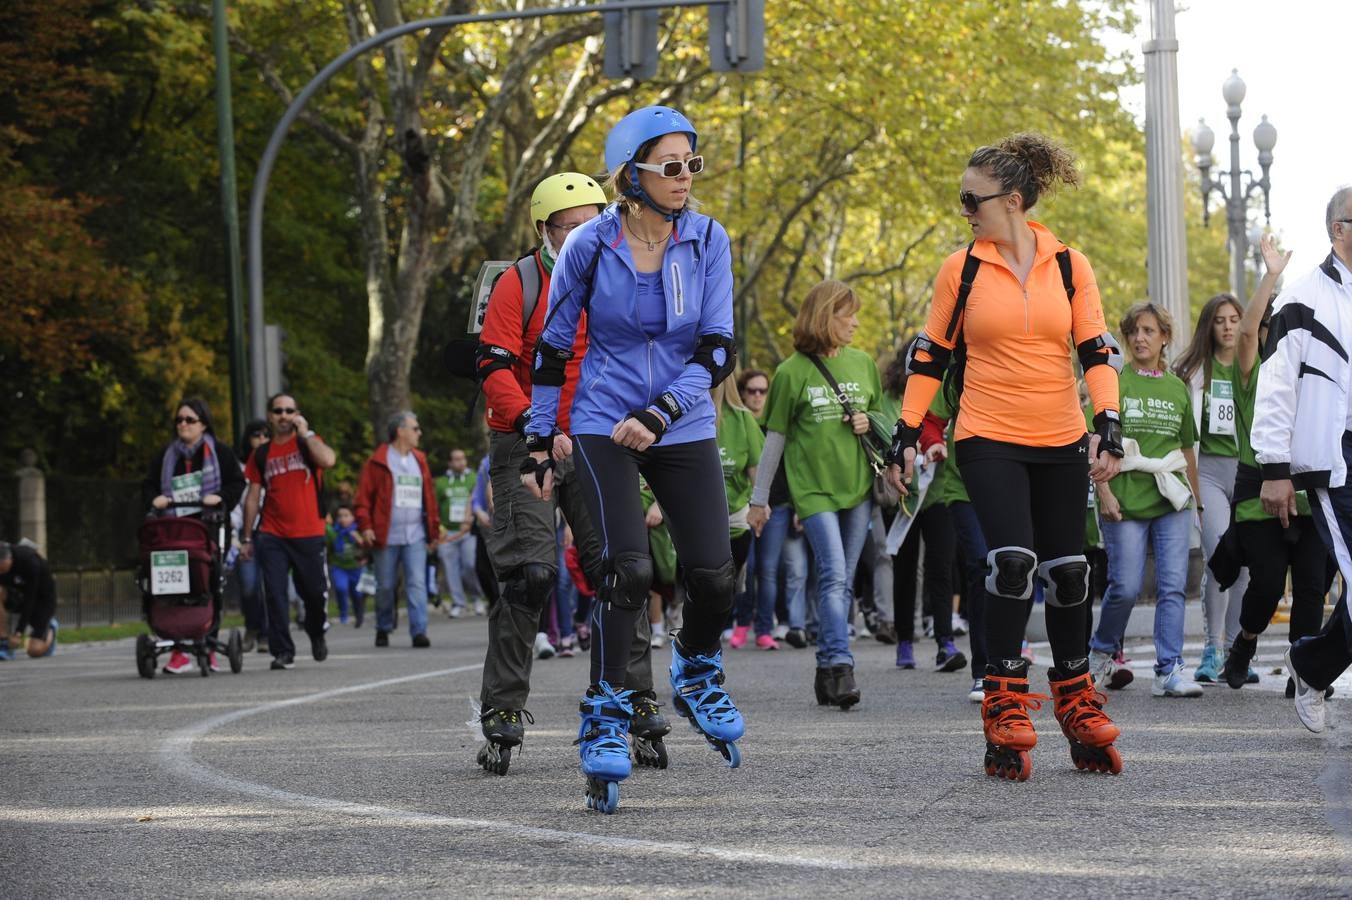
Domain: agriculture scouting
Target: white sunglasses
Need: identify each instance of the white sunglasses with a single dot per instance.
(674, 168)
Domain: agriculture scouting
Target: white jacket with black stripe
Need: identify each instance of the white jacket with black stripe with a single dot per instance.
(1301, 410)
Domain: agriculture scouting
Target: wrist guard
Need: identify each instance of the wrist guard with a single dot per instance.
(903, 436)
(1108, 427)
(651, 421)
(519, 426)
(539, 443)
(530, 467)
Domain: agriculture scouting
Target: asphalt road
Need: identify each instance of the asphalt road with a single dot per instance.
(356, 777)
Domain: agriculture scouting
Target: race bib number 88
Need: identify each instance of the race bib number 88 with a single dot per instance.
(1221, 420)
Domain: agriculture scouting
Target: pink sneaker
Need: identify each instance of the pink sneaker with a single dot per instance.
(211, 661)
(179, 663)
(766, 642)
(739, 637)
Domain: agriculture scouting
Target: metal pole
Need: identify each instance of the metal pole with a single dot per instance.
(1235, 212)
(225, 137)
(1167, 244)
(269, 158)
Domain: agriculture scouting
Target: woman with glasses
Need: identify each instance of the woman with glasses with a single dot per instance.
(194, 468)
(654, 278)
(830, 482)
(1006, 310)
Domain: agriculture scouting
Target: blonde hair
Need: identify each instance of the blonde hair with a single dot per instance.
(812, 328)
(1128, 324)
(726, 396)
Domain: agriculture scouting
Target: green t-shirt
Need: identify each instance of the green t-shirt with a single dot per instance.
(1157, 412)
(1246, 392)
(825, 463)
(739, 445)
(453, 496)
(1218, 411)
(350, 557)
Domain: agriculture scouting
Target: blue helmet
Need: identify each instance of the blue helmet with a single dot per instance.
(641, 126)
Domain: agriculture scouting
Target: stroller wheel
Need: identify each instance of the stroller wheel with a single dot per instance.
(145, 656)
(203, 664)
(235, 651)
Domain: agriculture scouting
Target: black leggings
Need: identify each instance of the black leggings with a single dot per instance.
(1033, 498)
(935, 526)
(1268, 551)
(687, 481)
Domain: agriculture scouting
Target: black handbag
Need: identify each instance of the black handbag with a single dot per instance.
(875, 442)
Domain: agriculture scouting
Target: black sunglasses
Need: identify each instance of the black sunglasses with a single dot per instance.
(185, 420)
(970, 202)
(283, 410)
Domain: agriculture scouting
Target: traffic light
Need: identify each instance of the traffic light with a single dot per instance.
(631, 43)
(737, 36)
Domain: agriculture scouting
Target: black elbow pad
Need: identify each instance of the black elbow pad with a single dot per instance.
(551, 364)
(490, 358)
(1100, 351)
(706, 355)
(937, 363)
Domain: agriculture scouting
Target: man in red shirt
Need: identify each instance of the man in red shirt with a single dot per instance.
(290, 537)
(396, 510)
(523, 542)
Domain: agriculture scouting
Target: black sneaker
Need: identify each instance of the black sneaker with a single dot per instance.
(283, 662)
(320, 648)
(420, 640)
(796, 637)
(382, 638)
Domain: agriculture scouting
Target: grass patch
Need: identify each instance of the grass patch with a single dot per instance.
(126, 630)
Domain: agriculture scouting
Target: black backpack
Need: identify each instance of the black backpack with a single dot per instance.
(958, 367)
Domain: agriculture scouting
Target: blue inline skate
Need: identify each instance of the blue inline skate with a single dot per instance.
(603, 744)
(697, 686)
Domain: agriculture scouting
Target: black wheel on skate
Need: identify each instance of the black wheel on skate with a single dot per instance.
(603, 796)
(650, 752)
(495, 758)
(145, 656)
(234, 651)
(1012, 765)
(1096, 759)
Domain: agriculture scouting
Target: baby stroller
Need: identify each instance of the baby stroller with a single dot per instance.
(180, 572)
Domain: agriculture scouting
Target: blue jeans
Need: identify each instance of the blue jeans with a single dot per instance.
(779, 544)
(250, 597)
(565, 595)
(413, 557)
(457, 564)
(1125, 543)
(836, 538)
(972, 541)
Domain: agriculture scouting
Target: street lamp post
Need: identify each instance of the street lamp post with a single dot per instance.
(1242, 183)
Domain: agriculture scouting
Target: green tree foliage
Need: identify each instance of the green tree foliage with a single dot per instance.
(840, 159)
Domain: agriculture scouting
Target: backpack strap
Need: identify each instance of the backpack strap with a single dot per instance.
(529, 271)
(1067, 277)
(970, 265)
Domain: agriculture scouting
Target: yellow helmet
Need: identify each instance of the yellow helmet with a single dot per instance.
(564, 191)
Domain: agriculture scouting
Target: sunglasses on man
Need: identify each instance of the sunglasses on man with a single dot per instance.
(971, 202)
(674, 167)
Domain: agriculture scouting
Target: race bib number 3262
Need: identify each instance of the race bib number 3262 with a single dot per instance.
(169, 572)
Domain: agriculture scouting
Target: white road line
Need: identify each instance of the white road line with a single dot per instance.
(176, 756)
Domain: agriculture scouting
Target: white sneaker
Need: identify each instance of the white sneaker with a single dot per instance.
(1309, 702)
(453, 611)
(480, 608)
(1173, 684)
(960, 625)
(978, 691)
(779, 631)
(727, 635)
(659, 638)
(1100, 666)
(543, 648)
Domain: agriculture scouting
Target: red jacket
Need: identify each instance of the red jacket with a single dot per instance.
(508, 392)
(375, 494)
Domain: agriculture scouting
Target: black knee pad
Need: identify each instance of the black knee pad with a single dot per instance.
(1067, 580)
(1009, 573)
(529, 586)
(627, 580)
(713, 586)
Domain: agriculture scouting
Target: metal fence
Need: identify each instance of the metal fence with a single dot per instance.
(105, 596)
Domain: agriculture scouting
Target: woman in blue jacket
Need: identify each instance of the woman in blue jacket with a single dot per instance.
(654, 279)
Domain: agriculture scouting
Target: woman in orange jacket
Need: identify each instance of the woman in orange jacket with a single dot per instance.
(1004, 308)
